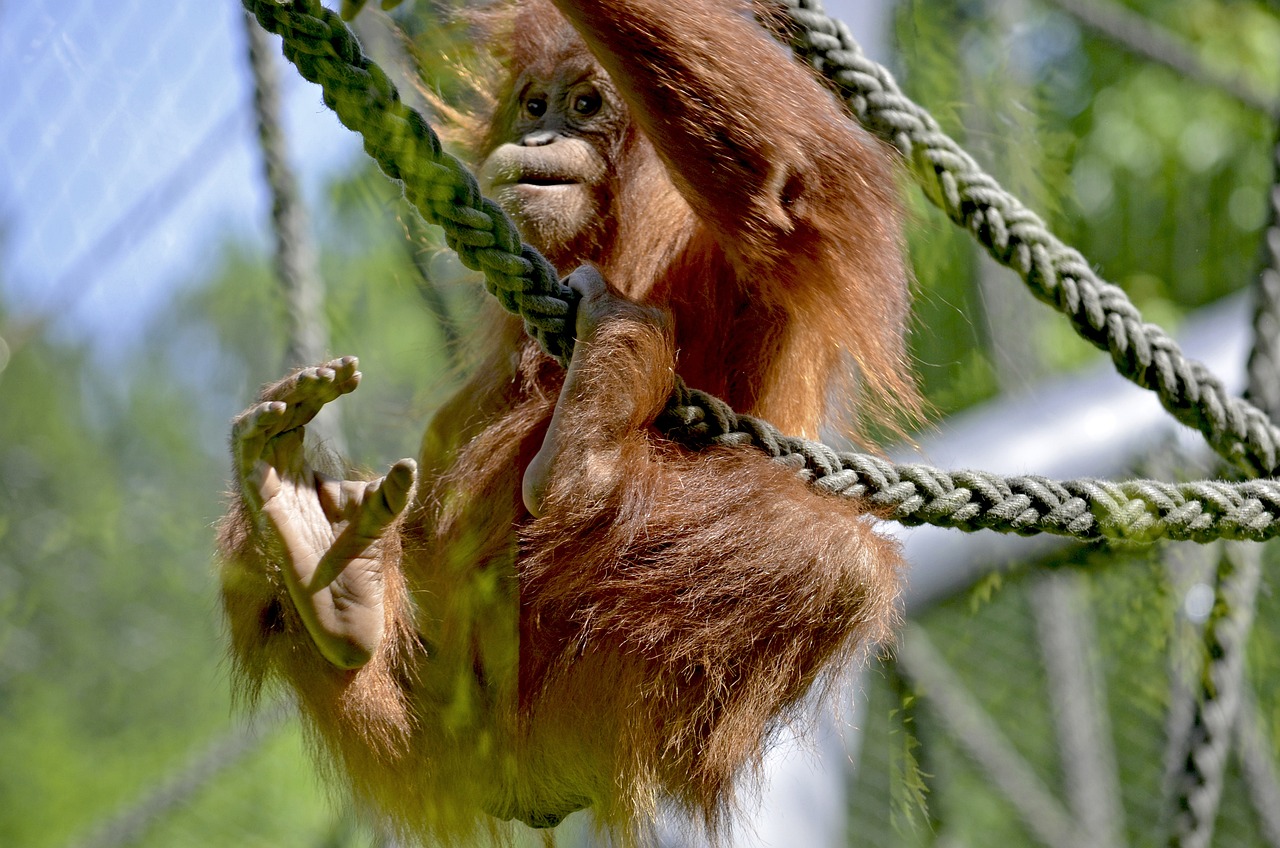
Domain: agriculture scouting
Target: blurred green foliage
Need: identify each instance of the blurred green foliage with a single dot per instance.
(111, 471)
(112, 476)
(1162, 183)
(1159, 181)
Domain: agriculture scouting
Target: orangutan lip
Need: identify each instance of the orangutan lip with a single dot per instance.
(532, 180)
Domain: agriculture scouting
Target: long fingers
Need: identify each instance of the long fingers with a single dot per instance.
(285, 406)
(309, 389)
(386, 498)
(249, 434)
(371, 511)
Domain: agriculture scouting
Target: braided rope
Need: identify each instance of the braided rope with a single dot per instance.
(1089, 510)
(1264, 357)
(296, 263)
(408, 150)
(436, 183)
(1200, 780)
(1199, 787)
(1014, 236)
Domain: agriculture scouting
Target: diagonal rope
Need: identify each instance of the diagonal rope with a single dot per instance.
(1059, 275)
(408, 150)
(130, 825)
(979, 736)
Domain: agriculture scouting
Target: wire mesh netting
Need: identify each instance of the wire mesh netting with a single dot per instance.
(1060, 700)
(134, 221)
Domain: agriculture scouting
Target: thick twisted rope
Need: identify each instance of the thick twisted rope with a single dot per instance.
(408, 150)
(1199, 786)
(1089, 510)
(1014, 236)
(436, 183)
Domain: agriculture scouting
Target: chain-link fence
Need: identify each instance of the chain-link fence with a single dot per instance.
(1067, 696)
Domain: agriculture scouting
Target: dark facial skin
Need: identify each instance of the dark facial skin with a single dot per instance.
(554, 173)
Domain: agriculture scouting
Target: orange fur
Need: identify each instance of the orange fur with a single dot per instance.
(646, 635)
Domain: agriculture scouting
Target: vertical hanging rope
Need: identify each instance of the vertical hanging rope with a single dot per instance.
(296, 265)
(1264, 359)
(1199, 787)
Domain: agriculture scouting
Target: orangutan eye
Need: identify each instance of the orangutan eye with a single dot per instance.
(587, 103)
(536, 106)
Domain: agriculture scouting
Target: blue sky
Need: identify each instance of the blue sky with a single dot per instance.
(104, 104)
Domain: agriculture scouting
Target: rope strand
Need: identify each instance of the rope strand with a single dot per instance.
(1059, 275)
(1199, 788)
(408, 150)
(1085, 509)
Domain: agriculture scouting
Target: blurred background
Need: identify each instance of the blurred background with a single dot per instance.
(1043, 694)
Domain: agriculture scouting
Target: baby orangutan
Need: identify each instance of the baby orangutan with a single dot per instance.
(556, 607)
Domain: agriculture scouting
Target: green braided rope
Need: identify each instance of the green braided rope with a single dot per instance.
(436, 183)
(1014, 236)
(914, 495)
(408, 150)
